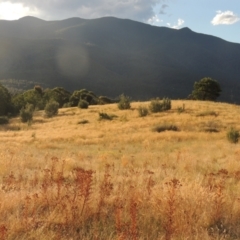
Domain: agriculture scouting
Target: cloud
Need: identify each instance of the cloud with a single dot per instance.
(162, 9)
(140, 10)
(154, 20)
(178, 25)
(11, 11)
(226, 18)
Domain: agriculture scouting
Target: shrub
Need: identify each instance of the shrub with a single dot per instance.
(165, 127)
(181, 109)
(105, 116)
(142, 111)
(124, 102)
(4, 120)
(26, 114)
(83, 104)
(51, 109)
(83, 121)
(159, 106)
(233, 135)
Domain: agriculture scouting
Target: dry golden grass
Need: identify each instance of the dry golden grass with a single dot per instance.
(118, 179)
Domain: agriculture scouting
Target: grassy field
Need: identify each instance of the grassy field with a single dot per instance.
(77, 177)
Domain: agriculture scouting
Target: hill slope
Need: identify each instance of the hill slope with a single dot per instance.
(110, 56)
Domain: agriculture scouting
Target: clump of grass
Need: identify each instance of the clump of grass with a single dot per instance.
(210, 126)
(207, 113)
(159, 106)
(4, 120)
(105, 116)
(165, 127)
(84, 121)
(142, 111)
(233, 135)
(181, 109)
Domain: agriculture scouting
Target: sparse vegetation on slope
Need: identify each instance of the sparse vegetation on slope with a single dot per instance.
(119, 179)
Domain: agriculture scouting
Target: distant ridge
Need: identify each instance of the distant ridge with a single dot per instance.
(111, 56)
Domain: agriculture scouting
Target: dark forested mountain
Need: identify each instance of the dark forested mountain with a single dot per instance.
(111, 56)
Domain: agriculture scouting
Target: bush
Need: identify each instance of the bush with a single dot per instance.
(84, 121)
(4, 120)
(181, 109)
(124, 102)
(142, 111)
(165, 127)
(105, 116)
(83, 104)
(159, 106)
(51, 109)
(233, 135)
(26, 114)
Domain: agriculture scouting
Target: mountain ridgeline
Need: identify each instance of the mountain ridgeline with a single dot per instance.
(110, 56)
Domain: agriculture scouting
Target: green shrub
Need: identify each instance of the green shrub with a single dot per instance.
(233, 135)
(124, 102)
(142, 111)
(159, 106)
(26, 114)
(4, 120)
(83, 104)
(165, 127)
(51, 109)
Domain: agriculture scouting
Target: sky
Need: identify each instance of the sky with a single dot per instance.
(220, 18)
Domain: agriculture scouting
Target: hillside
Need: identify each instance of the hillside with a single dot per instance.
(111, 56)
(74, 176)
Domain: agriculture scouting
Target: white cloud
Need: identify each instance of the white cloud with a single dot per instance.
(140, 10)
(11, 11)
(227, 18)
(154, 20)
(178, 25)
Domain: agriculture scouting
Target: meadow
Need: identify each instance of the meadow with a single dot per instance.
(75, 176)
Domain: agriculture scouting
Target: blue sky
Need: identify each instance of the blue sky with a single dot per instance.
(219, 18)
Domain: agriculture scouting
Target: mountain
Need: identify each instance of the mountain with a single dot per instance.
(111, 56)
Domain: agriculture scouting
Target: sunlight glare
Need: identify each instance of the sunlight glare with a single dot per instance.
(10, 11)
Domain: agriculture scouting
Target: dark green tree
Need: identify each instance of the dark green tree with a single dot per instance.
(57, 94)
(5, 101)
(83, 94)
(206, 89)
(31, 96)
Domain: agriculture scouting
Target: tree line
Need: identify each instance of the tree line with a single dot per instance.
(10, 105)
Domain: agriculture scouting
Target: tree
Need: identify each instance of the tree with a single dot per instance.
(206, 89)
(57, 94)
(51, 109)
(5, 101)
